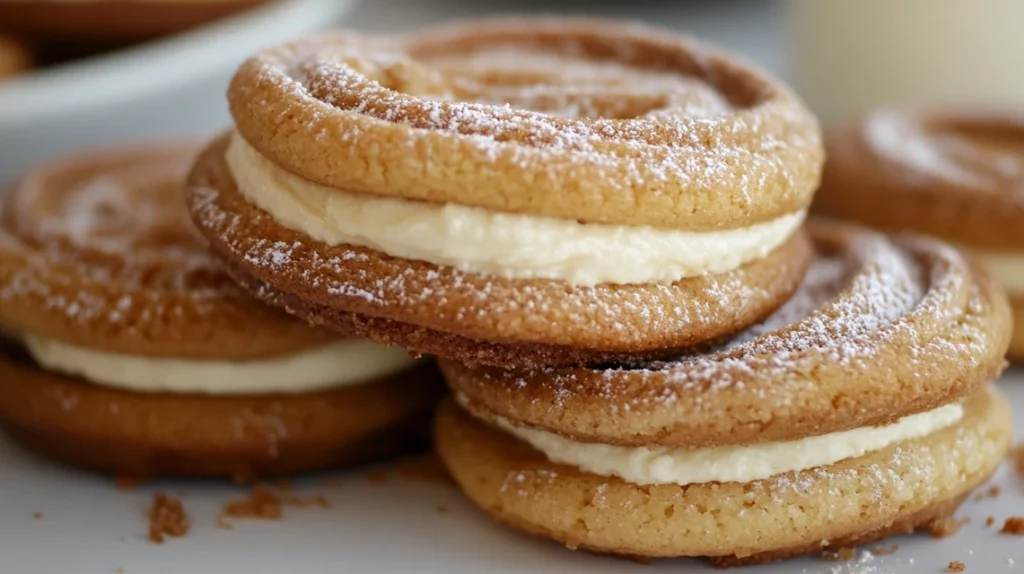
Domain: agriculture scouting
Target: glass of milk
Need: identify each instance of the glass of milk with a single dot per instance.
(851, 56)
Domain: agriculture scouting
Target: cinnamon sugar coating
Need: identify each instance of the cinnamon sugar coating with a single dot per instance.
(855, 501)
(880, 329)
(97, 250)
(955, 175)
(471, 317)
(579, 119)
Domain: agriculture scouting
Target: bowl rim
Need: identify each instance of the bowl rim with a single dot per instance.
(160, 65)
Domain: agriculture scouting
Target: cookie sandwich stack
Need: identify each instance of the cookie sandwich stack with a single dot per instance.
(955, 175)
(130, 351)
(599, 228)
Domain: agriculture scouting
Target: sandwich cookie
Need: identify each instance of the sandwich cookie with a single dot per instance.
(957, 176)
(111, 21)
(513, 192)
(858, 410)
(129, 349)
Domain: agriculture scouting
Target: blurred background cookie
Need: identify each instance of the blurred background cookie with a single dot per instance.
(14, 57)
(111, 21)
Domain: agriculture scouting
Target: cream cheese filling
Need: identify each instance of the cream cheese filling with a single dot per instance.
(741, 463)
(337, 364)
(508, 245)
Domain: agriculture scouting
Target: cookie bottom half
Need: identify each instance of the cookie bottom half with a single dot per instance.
(891, 491)
(146, 435)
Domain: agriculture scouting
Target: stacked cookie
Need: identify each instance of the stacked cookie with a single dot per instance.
(513, 193)
(954, 175)
(859, 410)
(598, 227)
(130, 351)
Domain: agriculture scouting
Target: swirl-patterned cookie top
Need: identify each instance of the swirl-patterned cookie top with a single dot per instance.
(879, 330)
(956, 175)
(98, 250)
(575, 119)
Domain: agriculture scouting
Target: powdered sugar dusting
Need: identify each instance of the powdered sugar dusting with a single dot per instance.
(109, 241)
(650, 114)
(965, 151)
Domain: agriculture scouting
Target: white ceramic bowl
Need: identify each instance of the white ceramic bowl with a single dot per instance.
(168, 88)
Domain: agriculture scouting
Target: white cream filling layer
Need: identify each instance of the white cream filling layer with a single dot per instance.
(503, 244)
(338, 364)
(1008, 269)
(669, 465)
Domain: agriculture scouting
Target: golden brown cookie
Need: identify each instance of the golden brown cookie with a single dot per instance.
(135, 352)
(160, 434)
(15, 57)
(867, 390)
(856, 501)
(111, 20)
(953, 174)
(512, 192)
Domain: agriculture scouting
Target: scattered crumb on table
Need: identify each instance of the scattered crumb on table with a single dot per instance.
(844, 553)
(37, 515)
(167, 517)
(1014, 525)
(262, 503)
(991, 492)
(957, 566)
(883, 550)
(990, 521)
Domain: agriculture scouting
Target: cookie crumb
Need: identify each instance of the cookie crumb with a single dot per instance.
(423, 468)
(844, 553)
(37, 515)
(377, 476)
(262, 503)
(992, 492)
(120, 570)
(956, 566)
(1019, 456)
(223, 523)
(1014, 525)
(883, 550)
(441, 509)
(166, 517)
(946, 527)
(127, 482)
(990, 521)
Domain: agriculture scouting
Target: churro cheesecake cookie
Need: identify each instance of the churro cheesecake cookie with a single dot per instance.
(858, 410)
(509, 192)
(955, 175)
(130, 350)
